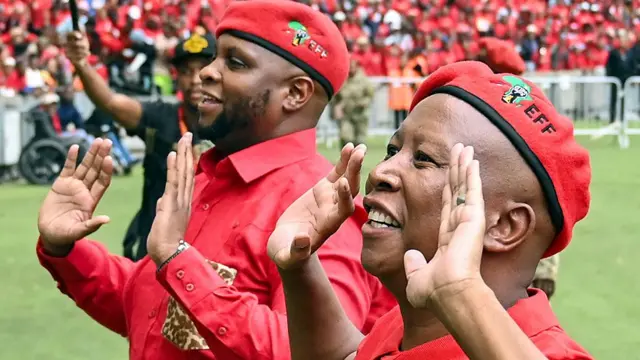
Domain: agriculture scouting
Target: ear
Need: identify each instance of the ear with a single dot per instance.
(510, 228)
(301, 89)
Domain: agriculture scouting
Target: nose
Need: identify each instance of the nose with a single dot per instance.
(210, 73)
(384, 177)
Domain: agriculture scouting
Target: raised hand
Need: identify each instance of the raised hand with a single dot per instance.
(77, 48)
(456, 263)
(174, 207)
(66, 214)
(318, 213)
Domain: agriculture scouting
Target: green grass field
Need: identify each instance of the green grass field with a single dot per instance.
(596, 301)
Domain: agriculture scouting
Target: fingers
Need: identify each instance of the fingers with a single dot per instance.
(454, 161)
(104, 180)
(171, 187)
(474, 185)
(447, 198)
(190, 168)
(465, 160)
(346, 207)
(354, 167)
(87, 161)
(70, 164)
(181, 163)
(341, 166)
(95, 169)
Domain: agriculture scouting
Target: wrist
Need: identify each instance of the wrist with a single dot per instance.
(55, 250)
(165, 254)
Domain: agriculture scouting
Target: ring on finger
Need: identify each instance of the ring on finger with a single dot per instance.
(460, 199)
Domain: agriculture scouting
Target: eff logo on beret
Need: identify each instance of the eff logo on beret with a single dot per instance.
(301, 36)
(519, 91)
(195, 44)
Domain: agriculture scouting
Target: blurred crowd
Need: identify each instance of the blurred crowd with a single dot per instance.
(132, 40)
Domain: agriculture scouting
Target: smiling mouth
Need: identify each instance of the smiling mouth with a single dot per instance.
(379, 219)
(210, 100)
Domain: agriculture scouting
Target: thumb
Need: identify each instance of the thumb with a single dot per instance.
(416, 268)
(413, 262)
(300, 247)
(93, 224)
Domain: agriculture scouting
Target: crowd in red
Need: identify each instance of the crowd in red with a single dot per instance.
(388, 37)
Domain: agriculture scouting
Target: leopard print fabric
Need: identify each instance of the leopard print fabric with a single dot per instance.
(178, 327)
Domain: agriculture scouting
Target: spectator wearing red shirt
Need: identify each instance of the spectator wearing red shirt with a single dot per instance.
(370, 57)
(220, 296)
(460, 103)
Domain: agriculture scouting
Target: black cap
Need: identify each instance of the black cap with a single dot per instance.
(195, 46)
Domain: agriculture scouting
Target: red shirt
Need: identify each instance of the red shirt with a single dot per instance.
(533, 315)
(237, 201)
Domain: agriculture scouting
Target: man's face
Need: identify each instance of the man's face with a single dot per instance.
(238, 91)
(189, 80)
(405, 189)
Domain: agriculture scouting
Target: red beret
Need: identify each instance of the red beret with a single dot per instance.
(305, 37)
(502, 56)
(542, 136)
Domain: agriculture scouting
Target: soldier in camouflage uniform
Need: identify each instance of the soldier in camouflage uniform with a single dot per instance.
(350, 106)
(546, 275)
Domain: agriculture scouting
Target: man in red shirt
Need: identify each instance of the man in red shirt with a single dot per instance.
(208, 289)
(453, 306)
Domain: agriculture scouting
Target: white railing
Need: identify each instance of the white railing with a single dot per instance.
(631, 108)
(585, 99)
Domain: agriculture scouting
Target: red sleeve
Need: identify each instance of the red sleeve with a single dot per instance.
(94, 279)
(234, 324)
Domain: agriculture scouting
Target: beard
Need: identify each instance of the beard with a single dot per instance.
(237, 115)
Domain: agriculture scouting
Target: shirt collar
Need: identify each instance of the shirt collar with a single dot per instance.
(258, 160)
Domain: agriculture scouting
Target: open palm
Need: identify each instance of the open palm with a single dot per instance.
(310, 220)
(66, 214)
(460, 241)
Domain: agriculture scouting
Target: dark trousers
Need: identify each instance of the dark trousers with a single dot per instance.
(613, 106)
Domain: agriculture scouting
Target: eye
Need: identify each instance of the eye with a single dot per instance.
(391, 150)
(422, 159)
(234, 63)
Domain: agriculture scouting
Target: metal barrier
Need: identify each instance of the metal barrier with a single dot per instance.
(14, 131)
(631, 106)
(584, 99)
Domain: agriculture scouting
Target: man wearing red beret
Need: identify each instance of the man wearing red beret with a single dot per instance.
(208, 290)
(482, 252)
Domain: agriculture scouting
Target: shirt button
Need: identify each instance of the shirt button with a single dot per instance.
(222, 330)
(189, 287)
(152, 314)
(180, 274)
(205, 207)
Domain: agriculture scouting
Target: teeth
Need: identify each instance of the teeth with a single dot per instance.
(380, 219)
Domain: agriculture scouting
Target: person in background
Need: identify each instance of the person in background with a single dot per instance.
(352, 105)
(546, 275)
(69, 116)
(159, 124)
(619, 65)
